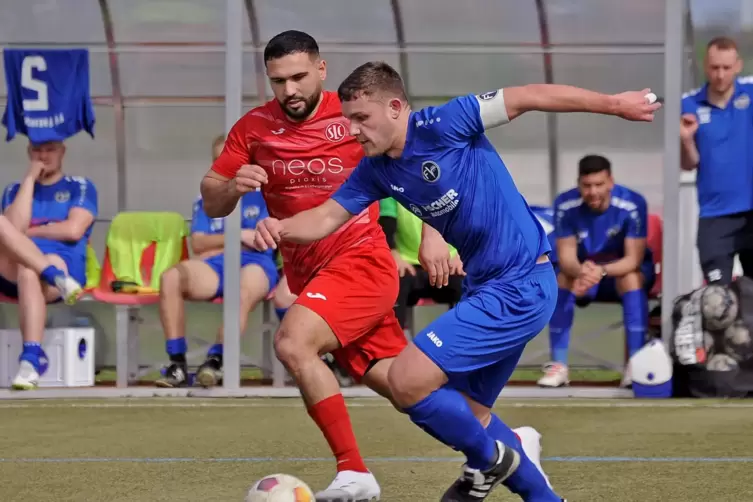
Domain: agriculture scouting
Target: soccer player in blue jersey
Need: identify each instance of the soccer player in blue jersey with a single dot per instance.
(601, 233)
(438, 163)
(57, 212)
(202, 278)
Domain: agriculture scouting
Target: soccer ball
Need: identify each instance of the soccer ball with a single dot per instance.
(721, 362)
(719, 307)
(738, 343)
(280, 488)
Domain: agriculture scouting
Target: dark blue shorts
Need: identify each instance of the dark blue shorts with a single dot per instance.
(478, 342)
(247, 258)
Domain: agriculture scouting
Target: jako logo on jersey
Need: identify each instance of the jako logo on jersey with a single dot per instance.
(397, 188)
(335, 132)
(434, 338)
(316, 296)
(430, 171)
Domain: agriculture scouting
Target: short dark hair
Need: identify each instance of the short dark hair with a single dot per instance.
(722, 43)
(591, 164)
(290, 42)
(371, 78)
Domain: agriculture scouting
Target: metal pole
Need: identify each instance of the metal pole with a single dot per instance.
(233, 109)
(673, 70)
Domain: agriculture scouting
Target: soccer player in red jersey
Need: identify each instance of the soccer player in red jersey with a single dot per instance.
(298, 150)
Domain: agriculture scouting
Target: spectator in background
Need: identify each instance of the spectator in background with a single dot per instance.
(716, 131)
(403, 231)
(202, 278)
(57, 212)
(601, 232)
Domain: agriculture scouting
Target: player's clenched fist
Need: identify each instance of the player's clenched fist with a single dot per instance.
(267, 234)
(249, 178)
(688, 126)
(635, 105)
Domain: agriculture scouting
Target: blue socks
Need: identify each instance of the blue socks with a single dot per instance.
(560, 325)
(34, 354)
(446, 415)
(215, 350)
(635, 318)
(527, 481)
(49, 274)
(177, 349)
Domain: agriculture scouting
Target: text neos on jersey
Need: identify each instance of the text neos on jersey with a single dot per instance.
(308, 171)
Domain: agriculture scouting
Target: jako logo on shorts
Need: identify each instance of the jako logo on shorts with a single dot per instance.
(434, 338)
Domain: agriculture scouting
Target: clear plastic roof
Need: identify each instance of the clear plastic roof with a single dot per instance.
(163, 61)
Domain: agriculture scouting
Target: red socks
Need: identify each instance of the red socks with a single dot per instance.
(331, 416)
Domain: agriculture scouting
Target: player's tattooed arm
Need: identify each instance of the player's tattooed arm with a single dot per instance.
(555, 98)
(635, 250)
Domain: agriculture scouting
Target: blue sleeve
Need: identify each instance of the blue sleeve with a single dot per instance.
(9, 195)
(563, 221)
(361, 189)
(455, 122)
(637, 227)
(200, 222)
(687, 106)
(85, 195)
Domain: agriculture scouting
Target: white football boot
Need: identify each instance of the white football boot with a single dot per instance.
(530, 439)
(556, 375)
(69, 288)
(351, 486)
(27, 377)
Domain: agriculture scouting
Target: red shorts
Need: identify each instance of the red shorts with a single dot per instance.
(355, 294)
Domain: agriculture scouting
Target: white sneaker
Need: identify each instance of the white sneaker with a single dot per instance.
(69, 288)
(556, 375)
(27, 377)
(531, 441)
(351, 486)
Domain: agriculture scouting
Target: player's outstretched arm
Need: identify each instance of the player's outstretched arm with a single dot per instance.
(305, 227)
(315, 224)
(633, 105)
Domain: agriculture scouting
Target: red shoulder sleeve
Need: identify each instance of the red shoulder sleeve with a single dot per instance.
(236, 151)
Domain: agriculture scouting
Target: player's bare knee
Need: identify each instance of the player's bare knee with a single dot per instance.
(292, 349)
(481, 412)
(629, 282)
(407, 385)
(26, 276)
(170, 281)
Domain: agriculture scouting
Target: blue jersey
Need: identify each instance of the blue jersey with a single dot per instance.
(545, 215)
(725, 144)
(253, 209)
(452, 178)
(48, 94)
(601, 236)
(53, 203)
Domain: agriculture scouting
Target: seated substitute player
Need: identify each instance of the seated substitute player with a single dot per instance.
(403, 231)
(202, 278)
(57, 212)
(447, 171)
(601, 232)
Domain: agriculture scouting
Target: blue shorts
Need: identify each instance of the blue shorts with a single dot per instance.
(478, 342)
(76, 266)
(606, 290)
(247, 258)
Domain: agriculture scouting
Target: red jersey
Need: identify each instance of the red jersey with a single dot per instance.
(306, 162)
